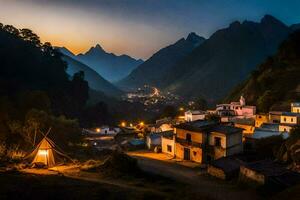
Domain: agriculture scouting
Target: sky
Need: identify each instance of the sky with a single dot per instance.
(135, 27)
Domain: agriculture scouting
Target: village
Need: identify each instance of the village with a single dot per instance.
(229, 146)
(218, 142)
(145, 100)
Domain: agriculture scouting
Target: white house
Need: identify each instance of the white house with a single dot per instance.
(295, 107)
(106, 130)
(193, 115)
(288, 120)
(153, 140)
(236, 109)
(168, 143)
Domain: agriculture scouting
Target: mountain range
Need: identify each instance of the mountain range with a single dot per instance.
(108, 65)
(155, 68)
(214, 67)
(96, 81)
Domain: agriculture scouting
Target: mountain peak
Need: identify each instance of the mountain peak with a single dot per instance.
(235, 24)
(98, 47)
(269, 19)
(194, 38)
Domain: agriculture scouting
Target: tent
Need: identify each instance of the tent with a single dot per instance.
(47, 154)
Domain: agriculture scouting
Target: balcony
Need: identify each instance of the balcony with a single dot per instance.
(188, 143)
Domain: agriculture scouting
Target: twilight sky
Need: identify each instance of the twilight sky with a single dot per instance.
(135, 27)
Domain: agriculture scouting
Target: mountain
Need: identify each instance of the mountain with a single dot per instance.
(276, 83)
(33, 76)
(108, 65)
(295, 27)
(225, 59)
(96, 82)
(153, 70)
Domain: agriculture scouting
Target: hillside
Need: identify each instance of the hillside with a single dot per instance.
(276, 82)
(226, 59)
(95, 81)
(153, 70)
(108, 65)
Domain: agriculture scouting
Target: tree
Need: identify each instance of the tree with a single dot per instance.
(201, 104)
(28, 35)
(169, 111)
(265, 101)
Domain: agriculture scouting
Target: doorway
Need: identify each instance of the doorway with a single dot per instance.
(186, 155)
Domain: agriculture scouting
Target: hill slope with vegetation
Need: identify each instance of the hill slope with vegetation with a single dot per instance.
(95, 81)
(276, 82)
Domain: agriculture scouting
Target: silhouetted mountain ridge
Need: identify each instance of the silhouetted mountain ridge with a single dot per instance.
(155, 68)
(110, 66)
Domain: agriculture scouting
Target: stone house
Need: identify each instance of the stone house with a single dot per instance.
(202, 141)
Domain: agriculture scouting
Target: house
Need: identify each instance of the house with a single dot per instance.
(274, 116)
(267, 172)
(247, 128)
(103, 130)
(168, 143)
(260, 119)
(153, 140)
(236, 109)
(202, 141)
(107, 130)
(288, 120)
(165, 124)
(295, 107)
(225, 168)
(193, 115)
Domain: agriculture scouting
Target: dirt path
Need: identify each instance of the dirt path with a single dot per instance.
(199, 182)
(75, 173)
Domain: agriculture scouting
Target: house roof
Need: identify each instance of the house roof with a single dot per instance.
(275, 112)
(262, 133)
(295, 104)
(291, 114)
(208, 126)
(267, 167)
(227, 164)
(195, 112)
(225, 129)
(197, 126)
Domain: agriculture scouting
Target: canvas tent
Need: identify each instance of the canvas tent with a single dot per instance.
(47, 153)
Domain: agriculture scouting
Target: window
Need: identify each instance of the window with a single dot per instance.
(195, 153)
(292, 119)
(217, 141)
(188, 137)
(169, 148)
(284, 119)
